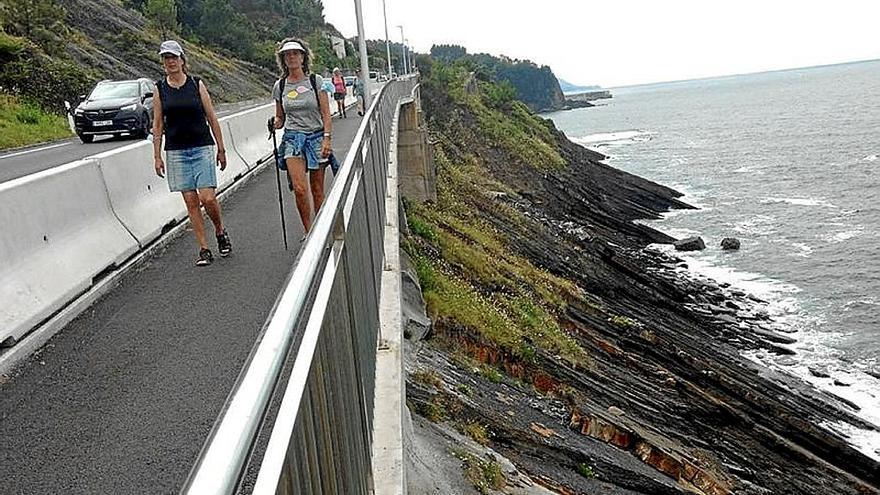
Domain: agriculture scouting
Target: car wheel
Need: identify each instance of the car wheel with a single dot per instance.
(86, 138)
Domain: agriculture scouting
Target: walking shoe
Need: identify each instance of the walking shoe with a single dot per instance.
(224, 245)
(205, 258)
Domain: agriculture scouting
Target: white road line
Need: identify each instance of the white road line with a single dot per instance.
(25, 152)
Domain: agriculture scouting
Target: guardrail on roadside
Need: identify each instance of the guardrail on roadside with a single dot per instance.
(323, 329)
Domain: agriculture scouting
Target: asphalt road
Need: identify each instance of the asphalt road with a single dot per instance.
(122, 399)
(25, 161)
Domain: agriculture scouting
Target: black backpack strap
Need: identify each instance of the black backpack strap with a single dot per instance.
(196, 81)
(281, 83)
(314, 81)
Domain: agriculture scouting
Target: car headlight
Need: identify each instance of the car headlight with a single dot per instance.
(133, 106)
(78, 111)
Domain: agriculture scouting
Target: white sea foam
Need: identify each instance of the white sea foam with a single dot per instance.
(815, 346)
(846, 235)
(616, 138)
(799, 202)
(870, 158)
(804, 250)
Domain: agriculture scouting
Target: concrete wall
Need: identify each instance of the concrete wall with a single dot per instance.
(418, 174)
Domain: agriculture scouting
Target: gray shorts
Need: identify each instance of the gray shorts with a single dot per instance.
(191, 168)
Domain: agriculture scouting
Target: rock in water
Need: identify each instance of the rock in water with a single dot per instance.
(690, 244)
(730, 243)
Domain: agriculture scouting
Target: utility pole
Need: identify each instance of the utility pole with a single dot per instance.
(387, 41)
(365, 64)
(403, 49)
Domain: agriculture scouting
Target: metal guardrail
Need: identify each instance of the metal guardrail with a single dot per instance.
(326, 320)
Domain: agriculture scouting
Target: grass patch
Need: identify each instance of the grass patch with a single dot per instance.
(624, 322)
(477, 432)
(434, 411)
(429, 378)
(22, 124)
(486, 475)
(586, 471)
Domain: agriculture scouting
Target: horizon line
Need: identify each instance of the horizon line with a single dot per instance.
(737, 74)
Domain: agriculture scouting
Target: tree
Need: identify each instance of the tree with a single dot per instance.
(28, 17)
(162, 14)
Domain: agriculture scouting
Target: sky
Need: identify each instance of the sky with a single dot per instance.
(624, 42)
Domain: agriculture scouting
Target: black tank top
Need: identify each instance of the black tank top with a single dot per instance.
(185, 124)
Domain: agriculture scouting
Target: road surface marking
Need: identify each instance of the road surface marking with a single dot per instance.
(25, 152)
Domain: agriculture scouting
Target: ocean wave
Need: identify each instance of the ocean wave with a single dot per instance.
(615, 138)
(756, 225)
(815, 347)
(870, 158)
(804, 250)
(838, 237)
(799, 202)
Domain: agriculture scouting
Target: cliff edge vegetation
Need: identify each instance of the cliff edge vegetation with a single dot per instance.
(565, 355)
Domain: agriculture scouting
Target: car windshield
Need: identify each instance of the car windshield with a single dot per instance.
(107, 91)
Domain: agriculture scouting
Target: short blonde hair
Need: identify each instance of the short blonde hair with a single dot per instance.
(279, 56)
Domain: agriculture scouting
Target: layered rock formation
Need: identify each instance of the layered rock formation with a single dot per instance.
(593, 364)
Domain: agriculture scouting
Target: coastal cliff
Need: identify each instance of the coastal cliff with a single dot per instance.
(564, 355)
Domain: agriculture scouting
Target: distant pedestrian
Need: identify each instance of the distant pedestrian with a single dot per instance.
(303, 111)
(339, 91)
(182, 112)
(358, 91)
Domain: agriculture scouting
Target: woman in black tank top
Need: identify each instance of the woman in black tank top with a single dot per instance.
(183, 111)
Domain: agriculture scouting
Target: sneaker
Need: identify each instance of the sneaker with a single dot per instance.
(224, 245)
(205, 258)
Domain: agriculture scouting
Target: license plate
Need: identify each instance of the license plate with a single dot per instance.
(102, 123)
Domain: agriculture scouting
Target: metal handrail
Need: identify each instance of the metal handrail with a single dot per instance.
(226, 452)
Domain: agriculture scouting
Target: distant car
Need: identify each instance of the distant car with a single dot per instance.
(374, 76)
(349, 80)
(115, 107)
(383, 78)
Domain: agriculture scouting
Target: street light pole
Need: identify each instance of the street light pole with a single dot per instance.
(403, 49)
(387, 41)
(362, 45)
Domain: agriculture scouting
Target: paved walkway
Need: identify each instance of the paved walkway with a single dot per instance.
(122, 399)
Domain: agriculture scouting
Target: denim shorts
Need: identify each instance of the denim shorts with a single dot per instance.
(191, 168)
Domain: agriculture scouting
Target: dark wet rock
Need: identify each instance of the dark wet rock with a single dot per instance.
(842, 382)
(774, 337)
(819, 372)
(690, 244)
(730, 244)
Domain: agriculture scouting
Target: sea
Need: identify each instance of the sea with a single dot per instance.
(786, 162)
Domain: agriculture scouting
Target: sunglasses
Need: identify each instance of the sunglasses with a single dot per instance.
(169, 56)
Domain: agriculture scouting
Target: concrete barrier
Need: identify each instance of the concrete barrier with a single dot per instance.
(138, 196)
(249, 135)
(59, 233)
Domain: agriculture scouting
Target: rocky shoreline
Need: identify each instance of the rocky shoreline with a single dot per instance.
(666, 403)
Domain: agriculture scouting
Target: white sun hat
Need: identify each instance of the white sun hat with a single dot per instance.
(291, 45)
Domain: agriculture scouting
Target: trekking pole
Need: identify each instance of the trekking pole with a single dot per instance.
(271, 126)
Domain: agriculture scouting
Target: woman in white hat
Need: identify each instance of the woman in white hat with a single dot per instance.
(303, 111)
(183, 111)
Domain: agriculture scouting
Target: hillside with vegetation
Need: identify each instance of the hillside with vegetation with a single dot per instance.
(535, 85)
(56, 50)
(564, 355)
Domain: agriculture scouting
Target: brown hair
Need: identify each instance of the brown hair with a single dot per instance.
(279, 57)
